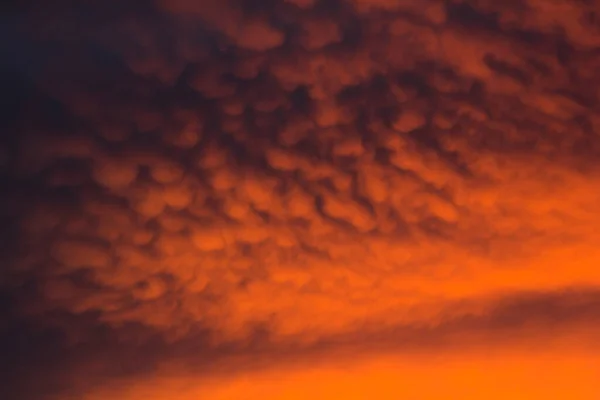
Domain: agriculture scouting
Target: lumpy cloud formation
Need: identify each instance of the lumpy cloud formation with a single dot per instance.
(296, 169)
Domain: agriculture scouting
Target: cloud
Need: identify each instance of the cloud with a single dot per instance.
(227, 173)
(133, 360)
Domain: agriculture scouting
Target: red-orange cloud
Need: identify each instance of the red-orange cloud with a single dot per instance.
(246, 180)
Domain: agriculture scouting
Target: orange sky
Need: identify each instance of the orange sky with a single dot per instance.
(525, 376)
(291, 199)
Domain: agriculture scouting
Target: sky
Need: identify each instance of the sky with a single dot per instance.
(292, 199)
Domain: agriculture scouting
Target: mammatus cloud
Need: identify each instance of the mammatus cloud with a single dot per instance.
(229, 178)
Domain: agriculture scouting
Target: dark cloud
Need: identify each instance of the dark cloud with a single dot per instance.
(55, 362)
(285, 173)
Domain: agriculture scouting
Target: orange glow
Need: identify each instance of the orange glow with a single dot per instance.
(526, 375)
(292, 199)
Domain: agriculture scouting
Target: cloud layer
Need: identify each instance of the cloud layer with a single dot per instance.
(269, 176)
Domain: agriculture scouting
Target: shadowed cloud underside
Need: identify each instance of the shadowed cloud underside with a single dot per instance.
(219, 187)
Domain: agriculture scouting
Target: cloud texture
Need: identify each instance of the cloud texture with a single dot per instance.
(261, 179)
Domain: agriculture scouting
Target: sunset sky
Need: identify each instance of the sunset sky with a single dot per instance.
(300, 199)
